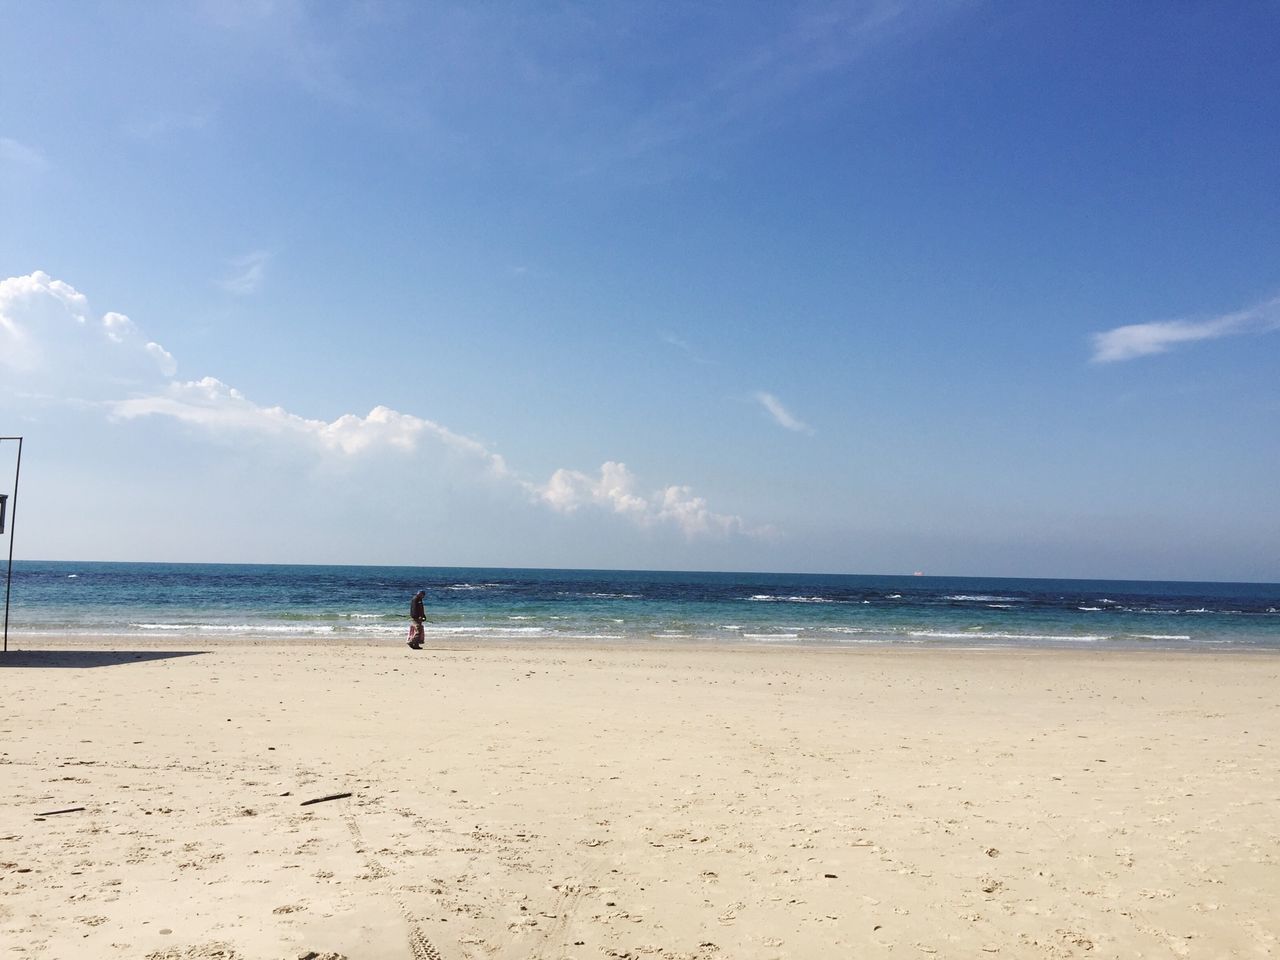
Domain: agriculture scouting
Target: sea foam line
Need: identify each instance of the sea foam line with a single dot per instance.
(232, 628)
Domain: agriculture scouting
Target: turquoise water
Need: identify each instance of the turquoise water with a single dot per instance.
(52, 599)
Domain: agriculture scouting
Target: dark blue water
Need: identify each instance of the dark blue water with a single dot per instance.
(53, 599)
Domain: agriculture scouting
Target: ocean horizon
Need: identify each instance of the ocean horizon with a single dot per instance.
(370, 602)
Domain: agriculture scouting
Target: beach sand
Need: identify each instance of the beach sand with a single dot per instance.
(637, 801)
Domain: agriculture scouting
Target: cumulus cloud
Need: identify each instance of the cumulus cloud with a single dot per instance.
(1145, 339)
(49, 338)
(117, 327)
(615, 490)
(163, 358)
(250, 272)
(780, 414)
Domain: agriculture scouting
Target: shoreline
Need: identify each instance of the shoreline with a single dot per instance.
(511, 800)
(217, 640)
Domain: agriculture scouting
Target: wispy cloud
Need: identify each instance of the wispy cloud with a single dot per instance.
(684, 347)
(14, 153)
(250, 272)
(675, 341)
(295, 34)
(780, 414)
(1145, 339)
(745, 86)
(578, 89)
(156, 127)
(50, 340)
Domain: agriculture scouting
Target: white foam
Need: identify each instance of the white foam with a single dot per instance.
(971, 634)
(233, 628)
(769, 598)
(479, 629)
(982, 598)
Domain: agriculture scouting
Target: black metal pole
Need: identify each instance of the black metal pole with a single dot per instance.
(13, 523)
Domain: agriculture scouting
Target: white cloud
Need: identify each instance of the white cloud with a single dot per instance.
(15, 289)
(1145, 339)
(251, 271)
(678, 505)
(47, 333)
(615, 490)
(49, 339)
(217, 406)
(117, 327)
(163, 358)
(567, 490)
(781, 415)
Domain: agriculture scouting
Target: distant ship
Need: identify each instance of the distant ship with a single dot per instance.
(918, 573)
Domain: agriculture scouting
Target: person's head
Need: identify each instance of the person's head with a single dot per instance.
(420, 594)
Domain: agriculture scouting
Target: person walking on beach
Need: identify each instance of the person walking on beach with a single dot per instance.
(417, 614)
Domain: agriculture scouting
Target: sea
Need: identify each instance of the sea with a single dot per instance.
(51, 600)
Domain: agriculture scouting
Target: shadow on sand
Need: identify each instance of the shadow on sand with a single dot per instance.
(86, 658)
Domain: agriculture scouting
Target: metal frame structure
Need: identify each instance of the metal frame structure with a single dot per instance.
(13, 522)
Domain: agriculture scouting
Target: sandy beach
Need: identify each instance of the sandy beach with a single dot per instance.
(636, 801)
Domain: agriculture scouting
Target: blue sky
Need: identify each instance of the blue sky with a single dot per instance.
(869, 287)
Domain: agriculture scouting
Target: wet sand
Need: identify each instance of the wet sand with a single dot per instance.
(639, 801)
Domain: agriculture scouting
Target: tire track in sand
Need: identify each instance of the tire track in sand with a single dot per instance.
(421, 947)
